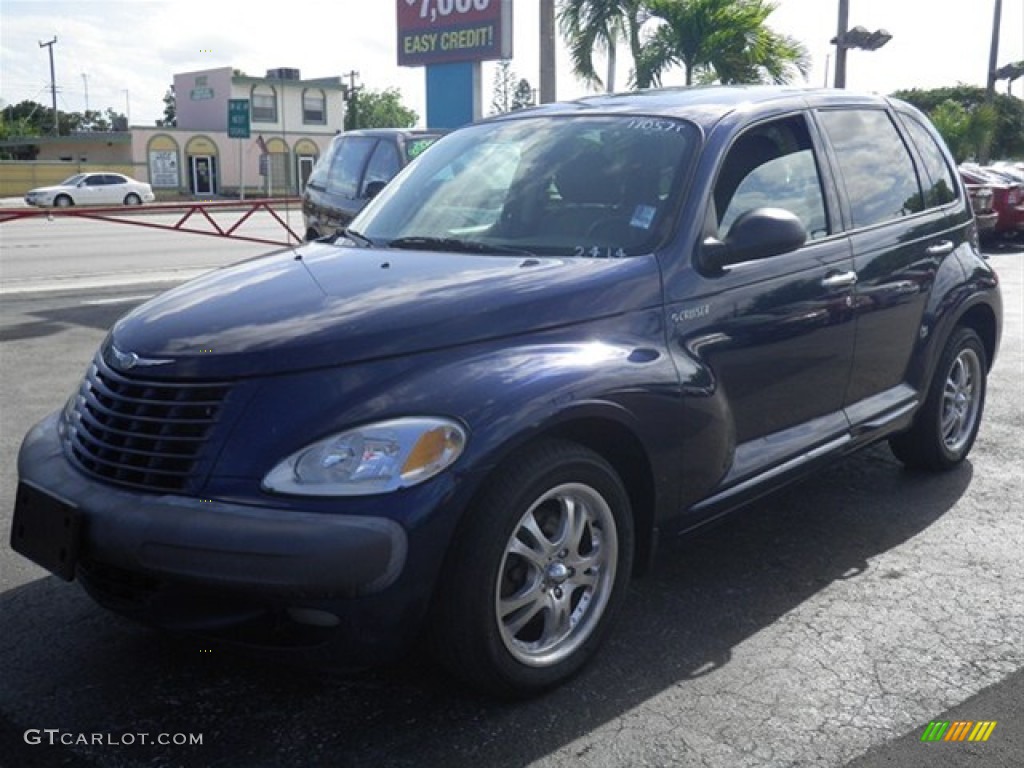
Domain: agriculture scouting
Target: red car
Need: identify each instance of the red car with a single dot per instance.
(1007, 199)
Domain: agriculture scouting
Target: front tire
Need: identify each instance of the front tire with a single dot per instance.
(945, 428)
(536, 572)
(63, 201)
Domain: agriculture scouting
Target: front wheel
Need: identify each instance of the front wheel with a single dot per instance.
(946, 426)
(62, 201)
(536, 572)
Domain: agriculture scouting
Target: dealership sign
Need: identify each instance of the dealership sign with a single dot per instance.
(442, 31)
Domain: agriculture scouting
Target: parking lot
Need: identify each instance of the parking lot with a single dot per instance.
(824, 626)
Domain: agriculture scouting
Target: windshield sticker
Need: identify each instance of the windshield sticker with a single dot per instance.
(415, 148)
(597, 252)
(643, 216)
(648, 124)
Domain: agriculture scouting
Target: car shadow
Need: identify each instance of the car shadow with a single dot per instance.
(72, 666)
(50, 322)
(1004, 245)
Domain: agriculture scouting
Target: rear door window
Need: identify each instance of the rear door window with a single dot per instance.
(875, 165)
(940, 188)
(346, 171)
(384, 164)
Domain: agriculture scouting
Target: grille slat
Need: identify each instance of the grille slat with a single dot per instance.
(140, 433)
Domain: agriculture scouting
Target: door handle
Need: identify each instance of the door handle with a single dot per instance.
(840, 280)
(941, 248)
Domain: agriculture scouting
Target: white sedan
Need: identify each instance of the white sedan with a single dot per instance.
(92, 189)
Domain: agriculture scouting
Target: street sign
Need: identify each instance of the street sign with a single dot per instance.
(238, 118)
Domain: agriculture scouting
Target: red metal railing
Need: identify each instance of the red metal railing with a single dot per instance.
(201, 210)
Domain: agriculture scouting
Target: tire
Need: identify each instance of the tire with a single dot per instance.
(132, 199)
(945, 428)
(63, 201)
(526, 597)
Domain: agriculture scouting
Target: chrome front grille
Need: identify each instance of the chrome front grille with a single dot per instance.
(142, 433)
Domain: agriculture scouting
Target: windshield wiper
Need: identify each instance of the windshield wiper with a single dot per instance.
(351, 234)
(455, 244)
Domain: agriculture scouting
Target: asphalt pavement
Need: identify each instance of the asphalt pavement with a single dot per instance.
(825, 626)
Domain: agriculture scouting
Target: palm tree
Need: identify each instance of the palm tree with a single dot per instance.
(589, 25)
(720, 40)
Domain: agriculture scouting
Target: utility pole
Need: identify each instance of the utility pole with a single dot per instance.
(547, 51)
(993, 57)
(844, 22)
(53, 85)
(350, 94)
(127, 110)
(85, 81)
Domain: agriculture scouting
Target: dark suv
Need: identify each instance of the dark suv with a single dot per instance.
(557, 335)
(354, 169)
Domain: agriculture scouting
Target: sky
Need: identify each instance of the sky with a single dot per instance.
(123, 54)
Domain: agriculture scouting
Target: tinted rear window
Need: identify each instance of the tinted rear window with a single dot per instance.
(877, 170)
(939, 186)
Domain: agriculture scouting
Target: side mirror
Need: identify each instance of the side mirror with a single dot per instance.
(756, 234)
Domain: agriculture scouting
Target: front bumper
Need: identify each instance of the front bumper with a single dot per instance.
(200, 541)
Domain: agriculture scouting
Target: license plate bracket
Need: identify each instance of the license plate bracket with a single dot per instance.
(47, 530)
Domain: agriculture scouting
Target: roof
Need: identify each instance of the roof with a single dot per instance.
(702, 104)
(403, 132)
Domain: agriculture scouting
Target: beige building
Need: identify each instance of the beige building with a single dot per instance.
(292, 121)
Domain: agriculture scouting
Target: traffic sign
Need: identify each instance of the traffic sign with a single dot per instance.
(238, 118)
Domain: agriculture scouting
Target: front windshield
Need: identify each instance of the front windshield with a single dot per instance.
(72, 181)
(596, 187)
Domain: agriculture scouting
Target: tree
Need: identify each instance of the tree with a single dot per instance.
(523, 96)
(15, 124)
(504, 88)
(510, 94)
(721, 40)
(30, 118)
(965, 130)
(170, 109)
(713, 40)
(589, 25)
(378, 109)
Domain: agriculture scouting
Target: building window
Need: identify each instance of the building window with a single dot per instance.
(264, 104)
(314, 106)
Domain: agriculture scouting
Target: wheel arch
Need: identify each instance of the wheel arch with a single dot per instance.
(982, 320)
(621, 446)
(623, 449)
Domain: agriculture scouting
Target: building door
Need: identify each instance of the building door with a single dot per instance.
(202, 174)
(306, 163)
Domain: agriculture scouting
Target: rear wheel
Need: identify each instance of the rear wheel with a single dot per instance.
(537, 571)
(946, 426)
(132, 199)
(63, 201)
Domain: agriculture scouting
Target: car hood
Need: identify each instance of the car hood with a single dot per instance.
(325, 305)
(49, 190)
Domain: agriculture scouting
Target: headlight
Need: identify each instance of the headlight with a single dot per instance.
(376, 458)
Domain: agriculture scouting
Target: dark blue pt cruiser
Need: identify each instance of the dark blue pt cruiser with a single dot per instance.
(555, 336)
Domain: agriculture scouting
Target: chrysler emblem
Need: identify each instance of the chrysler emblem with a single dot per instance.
(125, 361)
